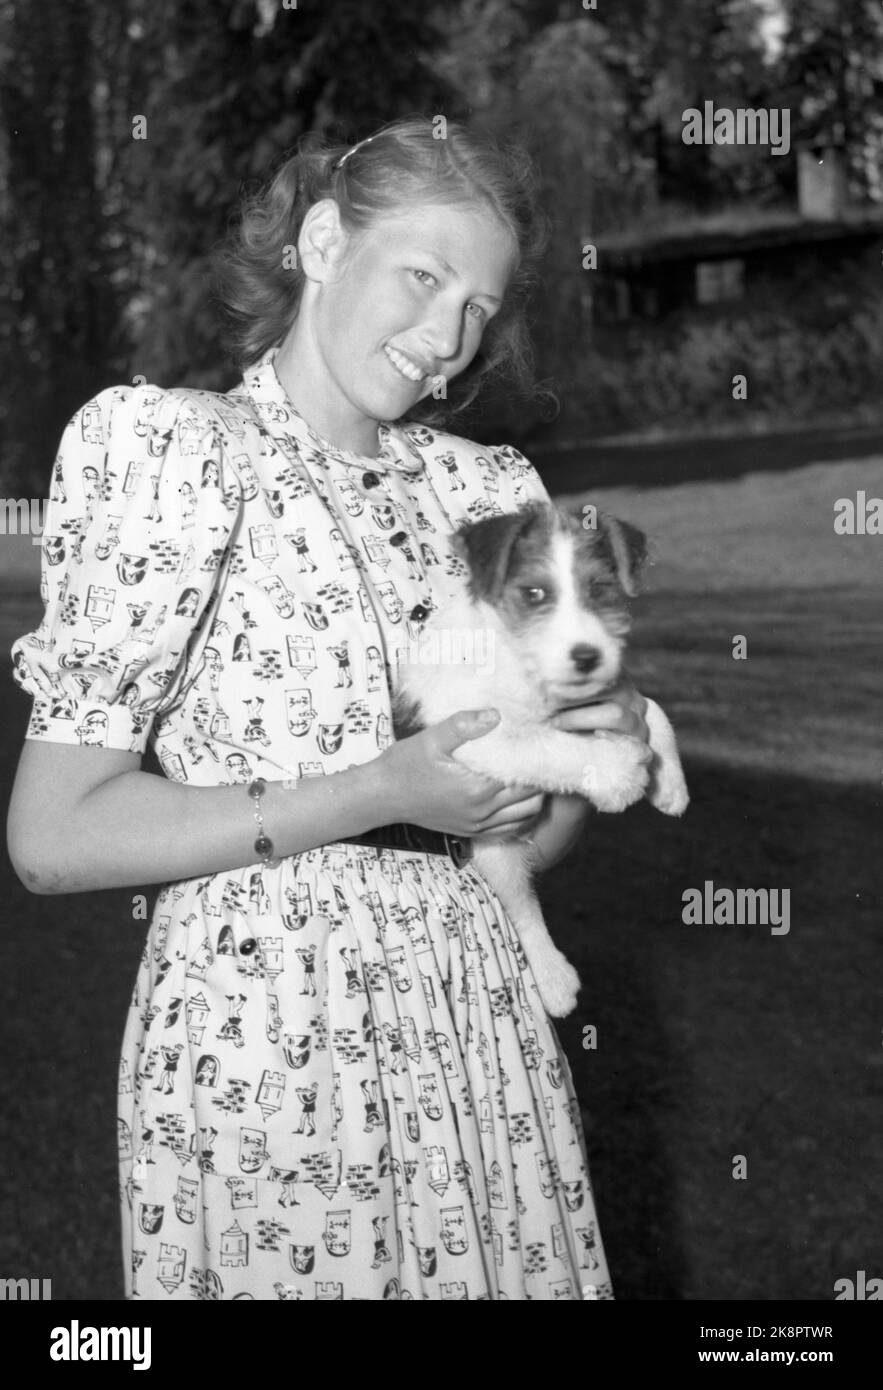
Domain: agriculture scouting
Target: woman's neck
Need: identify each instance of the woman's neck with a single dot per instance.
(317, 400)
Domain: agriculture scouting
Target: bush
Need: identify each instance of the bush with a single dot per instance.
(678, 377)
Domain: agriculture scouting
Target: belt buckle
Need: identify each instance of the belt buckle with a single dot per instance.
(459, 851)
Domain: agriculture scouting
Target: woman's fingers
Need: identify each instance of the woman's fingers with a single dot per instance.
(621, 713)
(514, 801)
(515, 818)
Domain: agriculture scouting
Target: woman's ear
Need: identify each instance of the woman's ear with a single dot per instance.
(322, 242)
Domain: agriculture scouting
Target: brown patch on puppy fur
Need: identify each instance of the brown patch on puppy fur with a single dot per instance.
(487, 546)
(531, 588)
(607, 561)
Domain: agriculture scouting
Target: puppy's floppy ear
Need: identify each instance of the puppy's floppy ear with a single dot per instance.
(487, 547)
(630, 552)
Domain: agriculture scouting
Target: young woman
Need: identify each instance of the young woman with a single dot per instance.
(338, 1080)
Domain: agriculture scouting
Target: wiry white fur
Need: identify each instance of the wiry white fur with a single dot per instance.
(528, 679)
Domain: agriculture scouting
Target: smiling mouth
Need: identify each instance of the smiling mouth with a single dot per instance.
(405, 366)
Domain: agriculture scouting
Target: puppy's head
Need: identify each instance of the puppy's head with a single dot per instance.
(560, 590)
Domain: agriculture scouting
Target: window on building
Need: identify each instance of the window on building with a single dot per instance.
(719, 280)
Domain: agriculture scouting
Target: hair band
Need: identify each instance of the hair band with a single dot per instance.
(340, 163)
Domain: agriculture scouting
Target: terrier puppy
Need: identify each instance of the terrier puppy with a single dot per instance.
(539, 626)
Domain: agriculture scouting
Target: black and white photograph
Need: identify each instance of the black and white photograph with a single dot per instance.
(441, 549)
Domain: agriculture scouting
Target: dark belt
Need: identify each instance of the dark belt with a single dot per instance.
(415, 837)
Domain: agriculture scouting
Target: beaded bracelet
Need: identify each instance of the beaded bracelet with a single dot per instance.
(263, 844)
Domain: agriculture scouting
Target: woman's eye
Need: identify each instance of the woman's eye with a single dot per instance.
(424, 277)
(534, 594)
(476, 312)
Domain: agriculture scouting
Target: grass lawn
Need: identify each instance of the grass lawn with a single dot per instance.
(712, 1041)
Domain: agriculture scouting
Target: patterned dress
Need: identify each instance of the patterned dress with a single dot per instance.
(337, 1079)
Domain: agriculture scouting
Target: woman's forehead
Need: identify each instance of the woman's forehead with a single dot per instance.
(460, 234)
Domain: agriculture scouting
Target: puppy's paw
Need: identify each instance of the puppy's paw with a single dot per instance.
(668, 790)
(618, 773)
(557, 982)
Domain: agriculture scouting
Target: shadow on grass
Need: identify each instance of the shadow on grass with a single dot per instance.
(718, 1041)
(712, 1042)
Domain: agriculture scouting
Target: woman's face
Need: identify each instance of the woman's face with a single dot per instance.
(407, 304)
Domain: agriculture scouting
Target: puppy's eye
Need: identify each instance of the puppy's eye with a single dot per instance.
(604, 589)
(534, 594)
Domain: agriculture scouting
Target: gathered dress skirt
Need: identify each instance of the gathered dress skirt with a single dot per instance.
(338, 1081)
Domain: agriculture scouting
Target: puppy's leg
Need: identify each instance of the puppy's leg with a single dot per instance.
(505, 866)
(609, 769)
(668, 787)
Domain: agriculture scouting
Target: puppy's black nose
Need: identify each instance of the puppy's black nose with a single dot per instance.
(585, 658)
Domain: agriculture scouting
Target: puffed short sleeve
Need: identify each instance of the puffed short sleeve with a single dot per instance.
(142, 508)
(519, 481)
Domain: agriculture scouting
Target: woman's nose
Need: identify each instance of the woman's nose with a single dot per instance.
(443, 332)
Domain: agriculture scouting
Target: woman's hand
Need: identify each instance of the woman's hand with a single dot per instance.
(425, 785)
(621, 711)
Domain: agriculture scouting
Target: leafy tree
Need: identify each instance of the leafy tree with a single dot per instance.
(673, 54)
(831, 71)
(59, 309)
(232, 86)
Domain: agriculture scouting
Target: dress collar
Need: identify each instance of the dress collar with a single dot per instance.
(261, 383)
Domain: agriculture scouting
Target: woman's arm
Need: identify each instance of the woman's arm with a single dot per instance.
(558, 828)
(84, 817)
